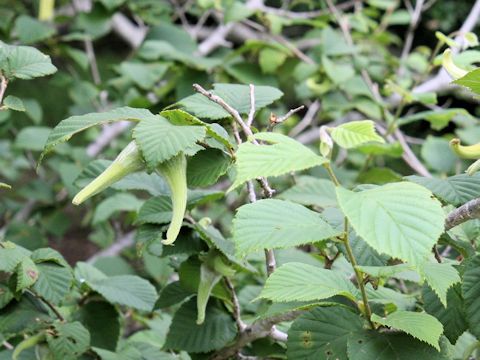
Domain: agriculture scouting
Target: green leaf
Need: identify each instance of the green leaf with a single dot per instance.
(301, 282)
(355, 133)
(54, 281)
(337, 72)
(216, 332)
(471, 294)
(273, 224)
(280, 156)
(24, 62)
(471, 81)
(30, 30)
(128, 290)
(67, 341)
(455, 190)
(373, 345)
(394, 271)
(75, 124)
(18, 316)
(440, 277)
(309, 190)
(156, 210)
(173, 293)
(144, 75)
(6, 295)
(32, 138)
(453, 317)
(206, 167)
(11, 255)
(102, 321)
(214, 130)
(13, 103)
(48, 255)
(322, 334)
(237, 96)
(399, 219)
(27, 273)
(422, 326)
(159, 140)
(270, 59)
(115, 203)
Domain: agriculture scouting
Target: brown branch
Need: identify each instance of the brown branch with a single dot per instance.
(236, 306)
(468, 211)
(415, 19)
(259, 329)
(3, 87)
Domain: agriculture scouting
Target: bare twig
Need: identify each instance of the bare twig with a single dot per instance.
(414, 20)
(236, 306)
(259, 329)
(216, 39)
(116, 248)
(468, 211)
(289, 114)
(7, 345)
(3, 87)
(251, 114)
(307, 119)
(109, 133)
(410, 157)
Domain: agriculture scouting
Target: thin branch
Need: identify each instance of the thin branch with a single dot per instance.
(274, 120)
(116, 248)
(468, 211)
(251, 114)
(7, 345)
(307, 119)
(108, 134)
(236, 306)
(49, 304)
(259, 329)
(410, 157)
(3, 87)
(407, 47)
(216, 39)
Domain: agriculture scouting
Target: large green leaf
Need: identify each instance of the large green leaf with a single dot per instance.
(440, 277)
(102, 320)
(142, 74)
(355, 133)
(10, 255)
(216, 332)
(301, 282)
(471, 294)
(272, 224)
(373, 345)
(67, 341)
(54, 281)
(322, 334)
(455, 190)
(113, 204)
(279, 155)
(402, 220)
(128, 290)
(419, 325)
(24, 62)
(75, 124)
(160, 140)
(471, 81)
(237, 96)
(452, 317)
(309, 190)
(206, 167)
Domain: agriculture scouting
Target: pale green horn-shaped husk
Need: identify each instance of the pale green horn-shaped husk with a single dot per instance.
(454, 71)
(127, 162)
(174, 171)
